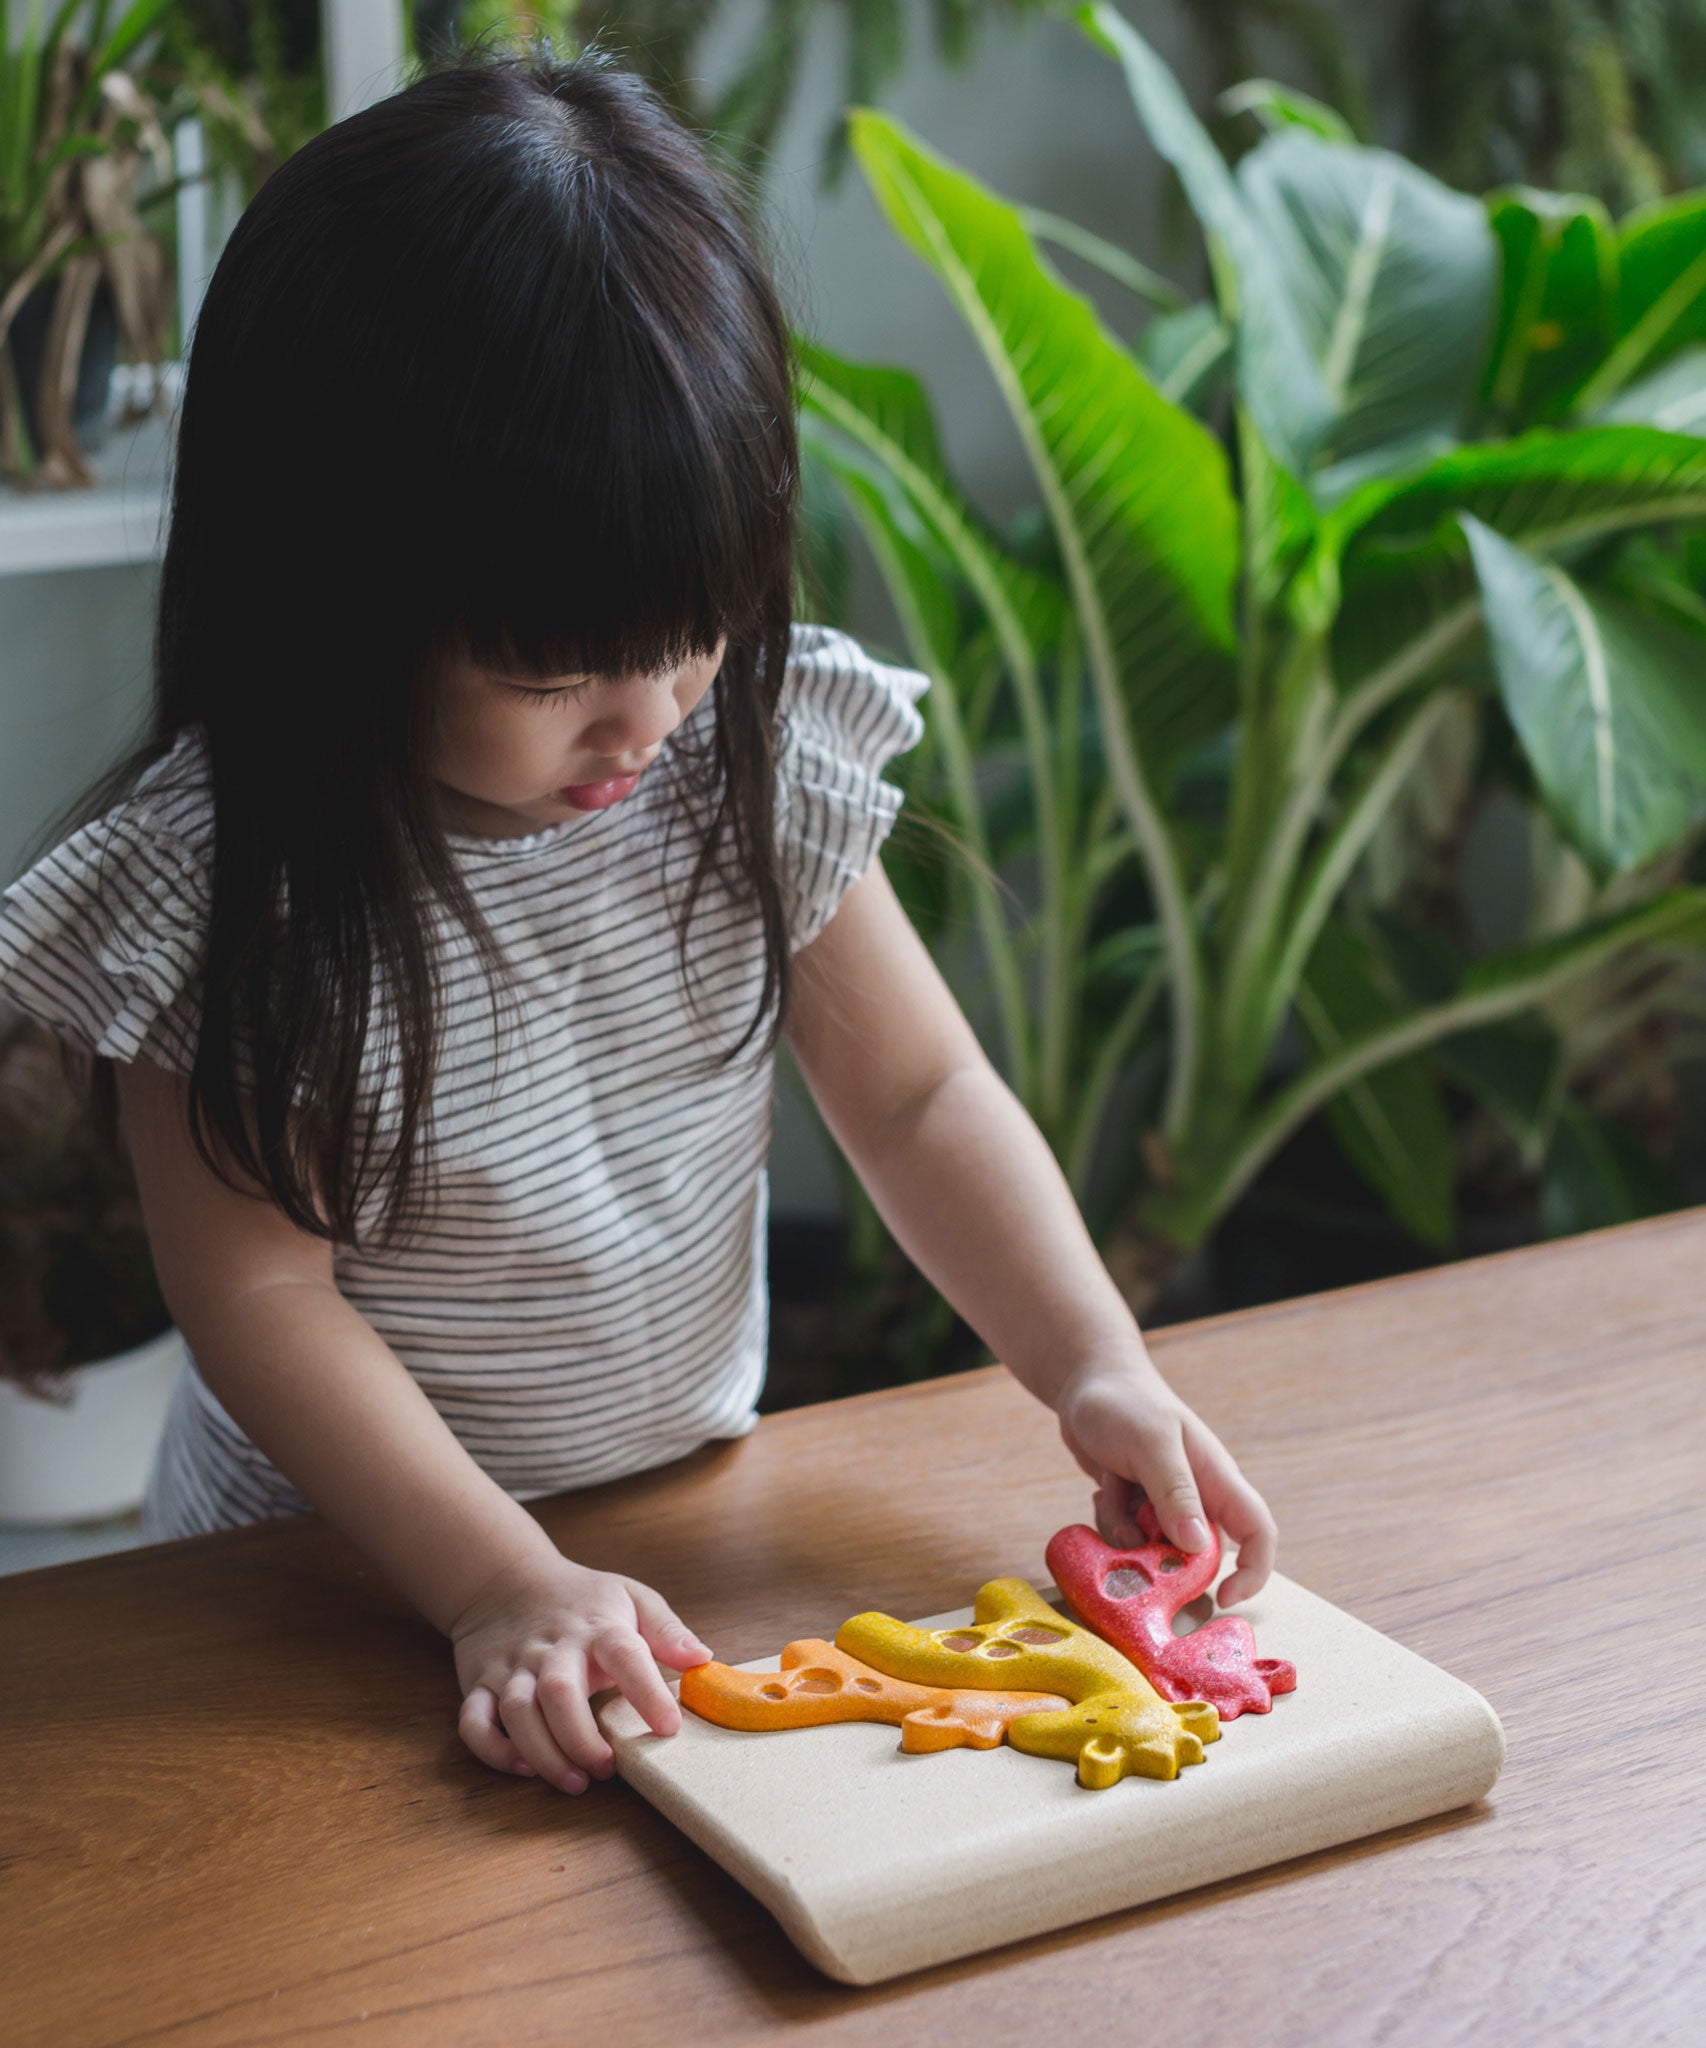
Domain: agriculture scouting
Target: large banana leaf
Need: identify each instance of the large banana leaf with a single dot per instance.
(1557, 300)
(1137, 488)
(1139, 495)
(1606, 700)
(1280, 379)
(1393, 279)
(1361, 290)
(883, 416)
(885, 411)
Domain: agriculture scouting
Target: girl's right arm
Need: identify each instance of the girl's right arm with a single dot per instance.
(331, 1404)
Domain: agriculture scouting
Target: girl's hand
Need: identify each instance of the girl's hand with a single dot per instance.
(1137, 1440)
(533, 1646)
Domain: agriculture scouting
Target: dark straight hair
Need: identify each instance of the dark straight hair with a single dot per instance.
(493, 369)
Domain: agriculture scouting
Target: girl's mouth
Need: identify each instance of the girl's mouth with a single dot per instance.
(598, 796)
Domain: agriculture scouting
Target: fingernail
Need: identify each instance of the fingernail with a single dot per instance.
(1194, 1532)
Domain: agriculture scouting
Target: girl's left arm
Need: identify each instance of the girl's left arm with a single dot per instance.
(973, 1195)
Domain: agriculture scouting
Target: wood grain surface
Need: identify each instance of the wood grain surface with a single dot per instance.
(235, 1808)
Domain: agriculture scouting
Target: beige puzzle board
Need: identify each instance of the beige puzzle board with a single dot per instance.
(876, 1862)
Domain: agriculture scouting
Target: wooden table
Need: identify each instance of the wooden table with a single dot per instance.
(235, 1807)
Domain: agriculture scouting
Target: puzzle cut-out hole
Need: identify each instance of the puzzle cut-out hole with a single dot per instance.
(868, 1684)
(774, 1692)
(1192, 1615)
(1170, 1564)
(819, 1681)
(1037, 1635)
(1004, 1649)
(960, 1642)
(1125, 1581)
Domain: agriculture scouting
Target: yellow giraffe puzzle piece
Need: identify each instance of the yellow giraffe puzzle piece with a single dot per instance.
(1118, 1725)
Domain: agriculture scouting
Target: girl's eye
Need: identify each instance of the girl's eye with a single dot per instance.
(546, 696)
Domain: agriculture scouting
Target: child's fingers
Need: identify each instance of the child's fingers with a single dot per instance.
(625, 1657)
(565, 1687)
(1155, 1458)
(522, 1715)
(1246, 1519)
(482, 1732)
(1116, 1504)
(1241, 1512)
(663, 1631)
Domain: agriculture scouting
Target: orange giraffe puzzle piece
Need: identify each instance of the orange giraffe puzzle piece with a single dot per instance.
(818, 1684)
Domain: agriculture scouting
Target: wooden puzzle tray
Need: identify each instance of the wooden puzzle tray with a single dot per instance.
(877, 1861)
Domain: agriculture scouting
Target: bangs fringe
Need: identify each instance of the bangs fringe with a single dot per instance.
(617, 534)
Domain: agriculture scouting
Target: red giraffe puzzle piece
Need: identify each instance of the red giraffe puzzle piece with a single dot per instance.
(1129, 1597)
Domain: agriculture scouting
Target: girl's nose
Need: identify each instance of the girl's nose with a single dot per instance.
(640, 717)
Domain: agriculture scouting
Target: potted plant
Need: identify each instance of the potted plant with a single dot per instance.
(76, 131)
(1425, 460)
(88, 1353)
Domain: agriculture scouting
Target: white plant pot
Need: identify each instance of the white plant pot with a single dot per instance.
(89, 1460)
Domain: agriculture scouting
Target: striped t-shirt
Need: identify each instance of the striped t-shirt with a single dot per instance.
(590, 1298)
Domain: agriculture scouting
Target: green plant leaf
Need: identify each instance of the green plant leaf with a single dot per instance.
(1402, 557)
(1661, 291)
(1139, 496)
(917, 570)
(1605, 699)
(1391, 1124)
(1515, 1070)
(1598, 1173)
(1675, 920)
(1281, 380)
(131, 27)
(886, 412)
(1124, 956)
(1185, 353)
(1548, 488)
(1283, 106)
(1137, 488)
(1506, 985)
(1557, 300)
(1393, 278)
(1361, 289)
(1673, 397)
(1107, 257)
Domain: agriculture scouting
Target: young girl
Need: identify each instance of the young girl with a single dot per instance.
(496, 823)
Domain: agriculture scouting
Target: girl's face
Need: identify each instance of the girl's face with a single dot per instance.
(513, 756)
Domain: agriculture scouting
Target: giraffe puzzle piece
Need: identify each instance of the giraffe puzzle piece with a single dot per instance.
(1117, 1724)
(1131, 1596)
(819, 1683)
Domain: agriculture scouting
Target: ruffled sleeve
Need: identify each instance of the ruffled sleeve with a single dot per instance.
(102, 939)
(847, 715)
